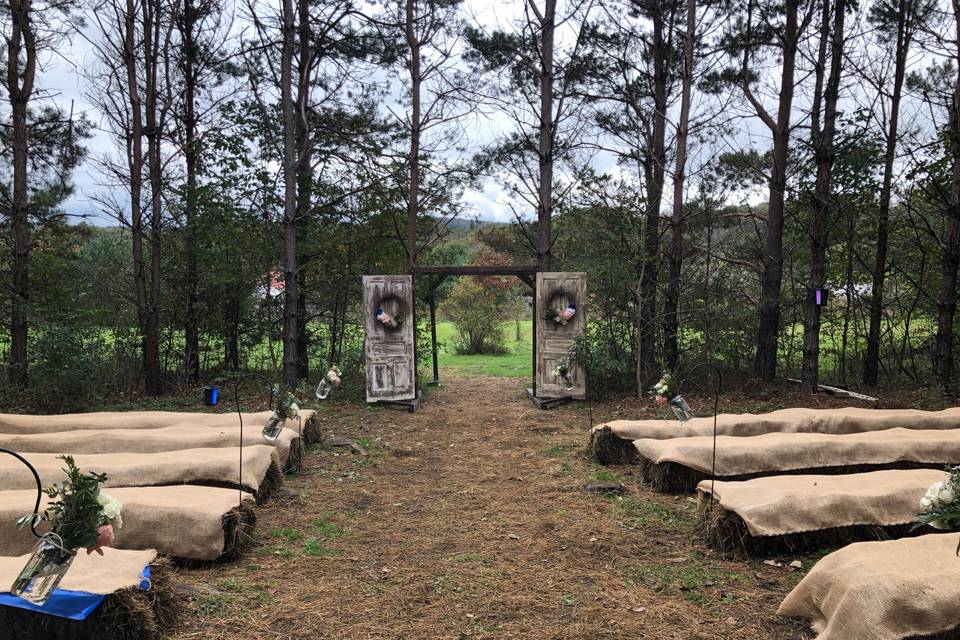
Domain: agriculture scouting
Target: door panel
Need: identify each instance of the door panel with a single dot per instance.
(389, 352)
(555, 341)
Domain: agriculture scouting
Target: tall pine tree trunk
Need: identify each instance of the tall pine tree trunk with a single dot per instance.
(768, 326)
(290, 296)
(871, 363)
(671, 304)
(654, 162)
(304, 177)
(545, 135)
(824, 152)
(190, 153)
(947, 298)
(153, 125)
(21, 47)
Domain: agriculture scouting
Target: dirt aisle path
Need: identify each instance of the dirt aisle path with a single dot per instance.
(467, 520)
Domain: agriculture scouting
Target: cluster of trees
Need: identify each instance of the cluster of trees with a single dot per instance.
(268, 153)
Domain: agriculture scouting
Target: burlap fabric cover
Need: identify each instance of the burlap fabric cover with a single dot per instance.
(183, 521)
(781, 505)
(835, 421)
(774, 452)
(13, 423)
(149, 469)
(882, 590)
(114, 571)
(174, 438)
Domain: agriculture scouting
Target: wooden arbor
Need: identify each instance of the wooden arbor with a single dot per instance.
(391, 353)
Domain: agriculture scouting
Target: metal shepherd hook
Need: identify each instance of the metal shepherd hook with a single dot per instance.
(36, 476)
(236, 400)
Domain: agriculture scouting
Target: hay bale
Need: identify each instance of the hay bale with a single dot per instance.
(726, 531)
(311, 427)
(126, 614)
(27, 424)
(606, 447)
(186, 522)
(796, 420)
(678, 465)
(895, 589)
(178, 437)
(211, 467)
(789, 513)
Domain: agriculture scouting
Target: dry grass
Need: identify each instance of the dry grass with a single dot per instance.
(467, 520)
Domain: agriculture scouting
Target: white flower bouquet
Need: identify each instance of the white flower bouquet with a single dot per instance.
(940, 505)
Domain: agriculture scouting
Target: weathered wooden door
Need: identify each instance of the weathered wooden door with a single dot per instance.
(389, 349)
(556, 293)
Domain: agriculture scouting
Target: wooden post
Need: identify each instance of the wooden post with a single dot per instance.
(433, 337)
(533, 343)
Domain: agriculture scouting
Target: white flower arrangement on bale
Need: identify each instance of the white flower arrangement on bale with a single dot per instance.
(941, 503)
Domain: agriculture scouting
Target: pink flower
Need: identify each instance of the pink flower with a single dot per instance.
(336, 382)
(385, 318)
(660, 399)
(106, 539)
(567, 313)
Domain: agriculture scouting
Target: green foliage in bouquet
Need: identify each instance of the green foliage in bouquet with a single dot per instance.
(74, 509)
(287, 404)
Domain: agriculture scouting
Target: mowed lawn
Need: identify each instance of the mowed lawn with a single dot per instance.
(515, 363)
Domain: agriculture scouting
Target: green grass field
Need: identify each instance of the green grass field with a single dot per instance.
(515, 363)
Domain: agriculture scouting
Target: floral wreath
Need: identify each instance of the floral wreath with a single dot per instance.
(558, 315)
(391, 322)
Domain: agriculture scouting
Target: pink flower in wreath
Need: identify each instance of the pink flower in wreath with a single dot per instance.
(107, 538)
(385, 318)
(567, 313)
(336, 382)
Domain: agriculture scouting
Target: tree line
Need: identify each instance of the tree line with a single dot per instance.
(760, 177)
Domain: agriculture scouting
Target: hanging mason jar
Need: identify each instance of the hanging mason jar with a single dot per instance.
(271, 430)
(43, 571)
(680, 408)
(324, 388)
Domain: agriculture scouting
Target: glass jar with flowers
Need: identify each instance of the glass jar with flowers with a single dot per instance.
(330, 380)
(287, 407)
(665, 392)
(80, 516)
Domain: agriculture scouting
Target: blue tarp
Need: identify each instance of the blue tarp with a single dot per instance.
(75, 605)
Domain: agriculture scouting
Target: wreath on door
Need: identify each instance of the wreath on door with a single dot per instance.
(388, 312)
(561, 309)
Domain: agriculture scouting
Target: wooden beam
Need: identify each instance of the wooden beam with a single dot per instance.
(519, 271)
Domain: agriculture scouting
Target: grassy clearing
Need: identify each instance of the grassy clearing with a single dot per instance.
(516, 363)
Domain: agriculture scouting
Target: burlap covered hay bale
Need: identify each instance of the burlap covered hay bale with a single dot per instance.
(679, 464)
(212, 467)
(27, 424)
(606, 447)
(796, 512)
(127, 613)
(174, 438)
(184, 521)
(798, 420)
(888, 590)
